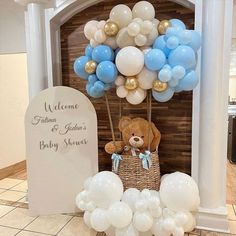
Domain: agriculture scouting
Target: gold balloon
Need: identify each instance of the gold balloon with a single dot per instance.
(163, 26)
(90, 67)
(131, 83)
(111, 29)
(159, 86)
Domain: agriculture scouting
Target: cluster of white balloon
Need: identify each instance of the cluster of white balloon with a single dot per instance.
(139, 213)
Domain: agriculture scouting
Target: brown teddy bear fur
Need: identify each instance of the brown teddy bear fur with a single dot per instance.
(135, 134)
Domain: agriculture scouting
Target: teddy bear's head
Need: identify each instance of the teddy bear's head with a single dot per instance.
(135, 133)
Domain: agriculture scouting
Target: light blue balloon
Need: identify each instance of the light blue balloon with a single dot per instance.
(172, 31)
(106, 71)
(176, 23)
(163, 96)
(92, 79)
(160, 43)
(95, 94)
(195, 43)
(102, 53)
(183, 56)
(178, 72)
(172, 42)
(88, 50)
(165, 75)
(177, 89)
(167, 66)
(185, 37)
(99, 86)
(88, 87)
(189, 82)
(79, 65)
(154, 59)
(173, 82)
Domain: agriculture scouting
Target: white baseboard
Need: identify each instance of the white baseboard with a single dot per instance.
(213, 219)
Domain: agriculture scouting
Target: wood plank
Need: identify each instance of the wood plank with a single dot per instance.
(13, 169)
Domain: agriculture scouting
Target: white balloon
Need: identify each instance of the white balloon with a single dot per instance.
(152, 36)
(168, 212)
(163, 177)
(136, 96)
(178, 231)
(90, 206)
(101, 24)
(141, 205)
(120, 80)
(87, 218)
(142, 221)
(145, 194)
(138, 20)
(87, 183)
(121, 92)
(130, 61)
(123, 39)
(121, 14)
(120, 214)
(81, 205)
(145, 49)
(90, 29)
(105, 189)
(168, 224)
(146, 78)
(99, 220)
(190, 224)
(179, 192)
(156, 213)
(111, 231)
(93, 43)
(146, 27)
(140, 40)
(181, 218)
(153, 202)
(133, 29)
(131, 196)
(100, 36)
(111, 41)
(127, 231)
(155, 22)
(158, 230)
(143, 10)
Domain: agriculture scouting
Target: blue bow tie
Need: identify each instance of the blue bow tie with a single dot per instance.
(146, 159)
(116, 158)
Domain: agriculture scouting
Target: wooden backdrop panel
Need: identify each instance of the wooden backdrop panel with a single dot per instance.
(173, 118)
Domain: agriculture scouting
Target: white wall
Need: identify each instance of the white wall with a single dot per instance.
(234, 20)
(12, 27)
(13, 103)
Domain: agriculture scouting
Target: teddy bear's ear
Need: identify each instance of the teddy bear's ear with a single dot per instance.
(124, 122)
(156, 139)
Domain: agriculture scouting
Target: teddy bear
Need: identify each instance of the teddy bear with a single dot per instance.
(135, 134)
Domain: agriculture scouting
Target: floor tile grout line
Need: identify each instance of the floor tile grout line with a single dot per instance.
(13, 185)
(26, 230)
(65, 225)
(8, 212)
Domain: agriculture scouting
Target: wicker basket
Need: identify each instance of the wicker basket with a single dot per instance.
(133, 175)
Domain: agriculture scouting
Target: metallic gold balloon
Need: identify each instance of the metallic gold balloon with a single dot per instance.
(163, 26)
(159, 86)
(111, 29)
(90, 67)
(131, 83)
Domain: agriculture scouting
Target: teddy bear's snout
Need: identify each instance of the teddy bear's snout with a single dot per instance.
(136, 141)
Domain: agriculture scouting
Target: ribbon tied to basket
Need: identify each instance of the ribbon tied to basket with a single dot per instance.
(146, 159)
(116, 158)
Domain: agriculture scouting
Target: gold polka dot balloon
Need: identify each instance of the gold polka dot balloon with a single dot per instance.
(131, 83)
(111, 29)
(90, 67)
(159, 86)
(163, 26)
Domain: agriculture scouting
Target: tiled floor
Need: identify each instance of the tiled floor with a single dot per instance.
(15, 220)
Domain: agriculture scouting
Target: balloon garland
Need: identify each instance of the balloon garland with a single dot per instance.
(148, 212)
(136, 52)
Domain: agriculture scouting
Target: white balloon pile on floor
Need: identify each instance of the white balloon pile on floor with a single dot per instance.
(139, 213)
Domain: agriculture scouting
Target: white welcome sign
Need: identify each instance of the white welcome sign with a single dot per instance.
(61, 149)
